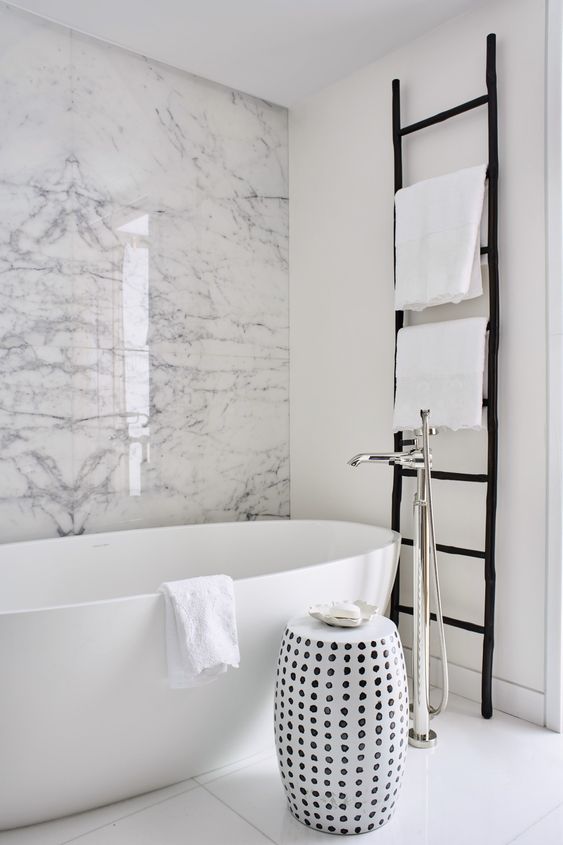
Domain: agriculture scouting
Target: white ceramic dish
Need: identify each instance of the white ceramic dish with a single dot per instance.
(327, 613)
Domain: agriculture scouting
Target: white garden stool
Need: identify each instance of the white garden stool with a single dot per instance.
(341, 723)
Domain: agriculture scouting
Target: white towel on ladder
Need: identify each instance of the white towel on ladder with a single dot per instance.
(440, 367)
(437, 239)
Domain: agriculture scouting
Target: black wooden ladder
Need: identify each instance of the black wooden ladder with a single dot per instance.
(490, 477)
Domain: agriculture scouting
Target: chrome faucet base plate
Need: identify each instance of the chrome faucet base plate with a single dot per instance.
(428, 740)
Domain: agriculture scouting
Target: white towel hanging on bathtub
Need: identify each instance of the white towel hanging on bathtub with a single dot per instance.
(201, 630)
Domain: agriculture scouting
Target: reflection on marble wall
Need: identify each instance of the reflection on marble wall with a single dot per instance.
(143, 291)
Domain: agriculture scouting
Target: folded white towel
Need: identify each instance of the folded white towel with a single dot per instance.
(201, 630)
(440, 367)
(437, 237)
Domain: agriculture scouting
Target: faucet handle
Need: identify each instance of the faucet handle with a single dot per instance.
(431, 431)
(408, 443)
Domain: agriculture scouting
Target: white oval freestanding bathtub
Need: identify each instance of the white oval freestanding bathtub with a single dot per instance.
(86, 714)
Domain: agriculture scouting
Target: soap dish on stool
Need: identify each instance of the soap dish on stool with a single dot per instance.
(329, 613)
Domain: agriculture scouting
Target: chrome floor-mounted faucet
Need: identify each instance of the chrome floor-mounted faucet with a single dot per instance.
(419, 458)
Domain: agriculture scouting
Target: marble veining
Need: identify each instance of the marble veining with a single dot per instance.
(143, 291)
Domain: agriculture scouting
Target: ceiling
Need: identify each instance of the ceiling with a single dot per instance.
(280, 50)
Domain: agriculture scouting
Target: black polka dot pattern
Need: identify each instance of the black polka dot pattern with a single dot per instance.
(341, 724)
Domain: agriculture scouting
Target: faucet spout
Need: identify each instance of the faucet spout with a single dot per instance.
(374, 458)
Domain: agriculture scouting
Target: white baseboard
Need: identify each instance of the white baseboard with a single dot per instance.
(510, 698)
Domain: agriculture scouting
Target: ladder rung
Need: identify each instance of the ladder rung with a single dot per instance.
(450, 550)
(477, 477)
(448, 620)
(444, 115)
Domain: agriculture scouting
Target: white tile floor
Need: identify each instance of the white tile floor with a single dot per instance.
(487, 783)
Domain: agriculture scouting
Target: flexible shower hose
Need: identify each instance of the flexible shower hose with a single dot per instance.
(434, 711)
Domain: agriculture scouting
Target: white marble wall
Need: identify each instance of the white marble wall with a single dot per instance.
(143, 291)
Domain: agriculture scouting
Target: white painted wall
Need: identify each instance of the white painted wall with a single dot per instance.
(554, 244)
(341, 304)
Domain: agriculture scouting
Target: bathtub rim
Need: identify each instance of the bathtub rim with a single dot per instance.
(394, 539)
